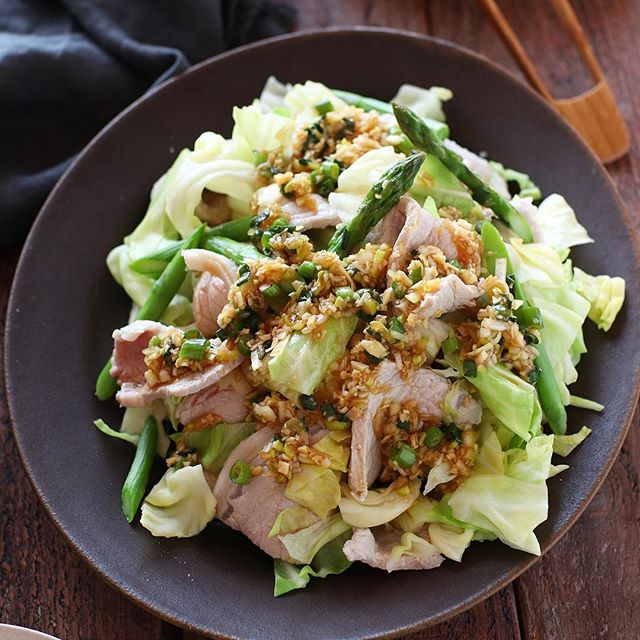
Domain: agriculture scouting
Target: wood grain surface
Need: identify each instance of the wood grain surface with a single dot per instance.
(587, 586)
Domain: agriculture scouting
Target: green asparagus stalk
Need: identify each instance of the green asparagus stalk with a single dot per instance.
(162, 292)
(441, 129)
(383, 195)
(546, 384)
(136, 483)
(153, 264)
(424, 139)
(238, 252)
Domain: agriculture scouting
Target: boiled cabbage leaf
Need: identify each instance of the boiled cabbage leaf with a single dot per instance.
(605, 295)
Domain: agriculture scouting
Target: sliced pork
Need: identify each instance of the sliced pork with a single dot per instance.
(426, 388)
(375, 550)
(318, 216)
(457, 240)
(217, 275)
(128, 343)
(226, 399)
(254, 507)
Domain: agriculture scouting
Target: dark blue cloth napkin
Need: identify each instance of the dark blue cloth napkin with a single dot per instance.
(68, 66)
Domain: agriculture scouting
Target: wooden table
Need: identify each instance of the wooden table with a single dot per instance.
(586, 586)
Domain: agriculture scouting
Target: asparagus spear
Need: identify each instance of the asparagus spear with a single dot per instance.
(153, 264)
(383, 195)
(162, 292)
(425, 140)
(546, 384)
(138, 476)
(238, 252)
(441, 129)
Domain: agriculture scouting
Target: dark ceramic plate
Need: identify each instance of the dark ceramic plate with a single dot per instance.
(64, 307)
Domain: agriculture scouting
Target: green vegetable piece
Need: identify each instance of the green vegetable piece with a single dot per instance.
(403, 455)
(403, 425)
(416, 275)
(346, 293)
(395, 324)
(337, 425)
(302, 362)
(308, 402)
(136, 483)
(545, 383)
(324, 107)
(162, 292)
(243, 347)
(272, 291)
(383, 195)
(398, 290)
(153, 264)
(240, 473)
(308, 270)
(193, 349)
(450, 346)
(433, 436)
(214, 445)
(470, 369)
(425, 140)
(237, 252)
(529, 317)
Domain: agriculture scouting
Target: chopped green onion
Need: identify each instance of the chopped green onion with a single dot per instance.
(483, 300)
(455, 264)
(156, 341)
(279, 222)
(324, 107)
(503, 311)
(530, 338)
(308, 270)
(451, 432)
(416, 275)
(192, 333)
(223, 333)
(346, 293)
(395, 324)
(272, 291)
(245, 274)
(336, 425)
(328, 411)
(470, 369)
(405, 425)
(433, 437)
(533, 376)
(193, 349)
(240, 473)
(330, 169)
(370, 307)
(450, 346)
(243, 346)
(403, 455)
(308, 402)
(398, 290)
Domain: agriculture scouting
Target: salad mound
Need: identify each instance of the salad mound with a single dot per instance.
(351, 338)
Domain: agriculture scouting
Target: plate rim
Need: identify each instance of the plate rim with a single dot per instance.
(310, 34)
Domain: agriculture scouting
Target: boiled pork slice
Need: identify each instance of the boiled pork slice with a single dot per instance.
(128, 343)
(225, 399)
(252, 508)
(320, 217)
(426, 388)
(217, 275)
(375, 550)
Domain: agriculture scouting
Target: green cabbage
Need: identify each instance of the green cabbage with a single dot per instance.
(512, 400)
(135, 417)
(449, 540)
(272, 95)
(301, 100)
(180, 505)
(427, 103)
(564, 445)
(262, 131)
(536, 263)
(356, 180)
(410, 545)
(527, 188)
(314, 487)
(301, 361)
(416, 516)
(290, 520)
(330, 560)
(215, 444)
(379, 507)
(510, 505)
(102, 426)
(605, 295)
(558, 224)
(333, 445)
(303, 545)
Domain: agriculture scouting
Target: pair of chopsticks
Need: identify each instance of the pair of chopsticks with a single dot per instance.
(594, 114)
